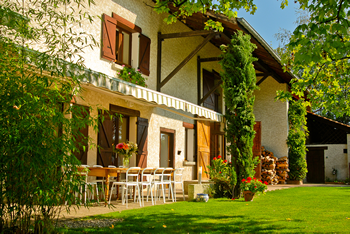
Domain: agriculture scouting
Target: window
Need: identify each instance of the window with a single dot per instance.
(123, 43)
(189, 142)
(209, 81)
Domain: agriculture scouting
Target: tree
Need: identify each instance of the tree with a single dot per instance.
(37, 142)
(188, 7)
(319, 53)
(239, 83)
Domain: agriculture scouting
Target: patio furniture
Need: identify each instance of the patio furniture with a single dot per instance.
(177, 179)
(146, 180)
(164, 178)
(131, 180)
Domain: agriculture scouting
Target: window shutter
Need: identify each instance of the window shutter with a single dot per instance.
(142, 138)
(109, 28)
(144, 62)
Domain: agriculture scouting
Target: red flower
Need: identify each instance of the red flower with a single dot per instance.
(225, 161)
(265, 182)
(214, 158)
(260, 181)
(125, 146)
(255, 187)
(233, 199)
(254, 178)
(230, 162)
(243, 180)
(249, 178)
(219, 156)
(220, 172)
(120, 146)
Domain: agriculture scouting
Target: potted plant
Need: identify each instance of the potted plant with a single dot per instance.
(126, 150)
(251, 186)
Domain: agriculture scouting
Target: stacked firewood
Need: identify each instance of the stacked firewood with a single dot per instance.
(268, 166)
(282, 169)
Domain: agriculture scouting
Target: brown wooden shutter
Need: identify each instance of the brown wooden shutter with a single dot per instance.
(257, 148)
(142, 138)
(203, 141)
(144, 57)
(81, 155)
(109, 29)
(105, 140)
(210, 102)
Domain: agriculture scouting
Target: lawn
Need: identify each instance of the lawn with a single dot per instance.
(298, 210)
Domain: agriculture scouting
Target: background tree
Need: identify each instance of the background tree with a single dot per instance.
(239, 83)
(319, 53)
(37, 83)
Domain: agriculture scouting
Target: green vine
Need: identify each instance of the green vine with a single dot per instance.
(239, 83)
(296, 140)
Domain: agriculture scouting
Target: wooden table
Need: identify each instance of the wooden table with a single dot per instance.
(107, 172)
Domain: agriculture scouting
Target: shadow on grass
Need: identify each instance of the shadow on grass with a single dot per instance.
(175, 223)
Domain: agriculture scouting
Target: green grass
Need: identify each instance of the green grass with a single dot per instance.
(298, 210)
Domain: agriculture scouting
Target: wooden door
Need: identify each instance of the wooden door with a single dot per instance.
(203, 146)
(106, 138)
(82, 145)
(257, 148)
(315, 165)
(142, 140)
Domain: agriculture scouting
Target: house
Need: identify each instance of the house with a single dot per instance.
(328, 155)
(177, 121)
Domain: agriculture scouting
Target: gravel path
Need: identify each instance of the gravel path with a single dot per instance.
(90, 223)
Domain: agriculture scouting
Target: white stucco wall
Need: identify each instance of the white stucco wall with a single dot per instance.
(273, 116)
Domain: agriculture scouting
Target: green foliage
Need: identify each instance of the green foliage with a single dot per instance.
(189, 7)
(318, 52)
(132, 76)
(239, 83)
(253, 185)
(224, 176)
(37, 141)
(296, 140)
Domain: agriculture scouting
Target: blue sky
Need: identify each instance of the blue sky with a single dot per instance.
(269, 18)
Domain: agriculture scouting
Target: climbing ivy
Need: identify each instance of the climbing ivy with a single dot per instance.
(296, 140)
(239, 83)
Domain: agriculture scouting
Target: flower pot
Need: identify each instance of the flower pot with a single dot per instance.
(248, 195)
(202, 197)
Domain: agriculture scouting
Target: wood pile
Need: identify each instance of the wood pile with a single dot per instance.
(282, 169)
(268, 166)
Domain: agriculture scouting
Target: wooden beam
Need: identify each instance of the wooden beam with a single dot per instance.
(186, 34)
(212, 59)
(187, 59)
(210, 92)
(159, 62)
(261, 80)
(262, 74)
(199, 83)
(268, 70)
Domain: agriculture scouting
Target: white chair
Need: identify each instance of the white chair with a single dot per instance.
(131, 180)
(147, 180)
(163, 180)
(177, 179)
(87, 184)
(102, 181)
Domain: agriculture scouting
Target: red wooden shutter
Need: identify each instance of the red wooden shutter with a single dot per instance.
(109, 28)
(142, 137)
(144, 58)
(105, 140)
(257, 148)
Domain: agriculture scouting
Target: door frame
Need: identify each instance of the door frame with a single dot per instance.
(317, 148)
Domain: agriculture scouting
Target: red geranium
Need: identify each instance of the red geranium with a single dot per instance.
(214, 158)
(225, 161)
(219, 156)
(120, 146)
(265, 182)
(249, 178)
(243, 180)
